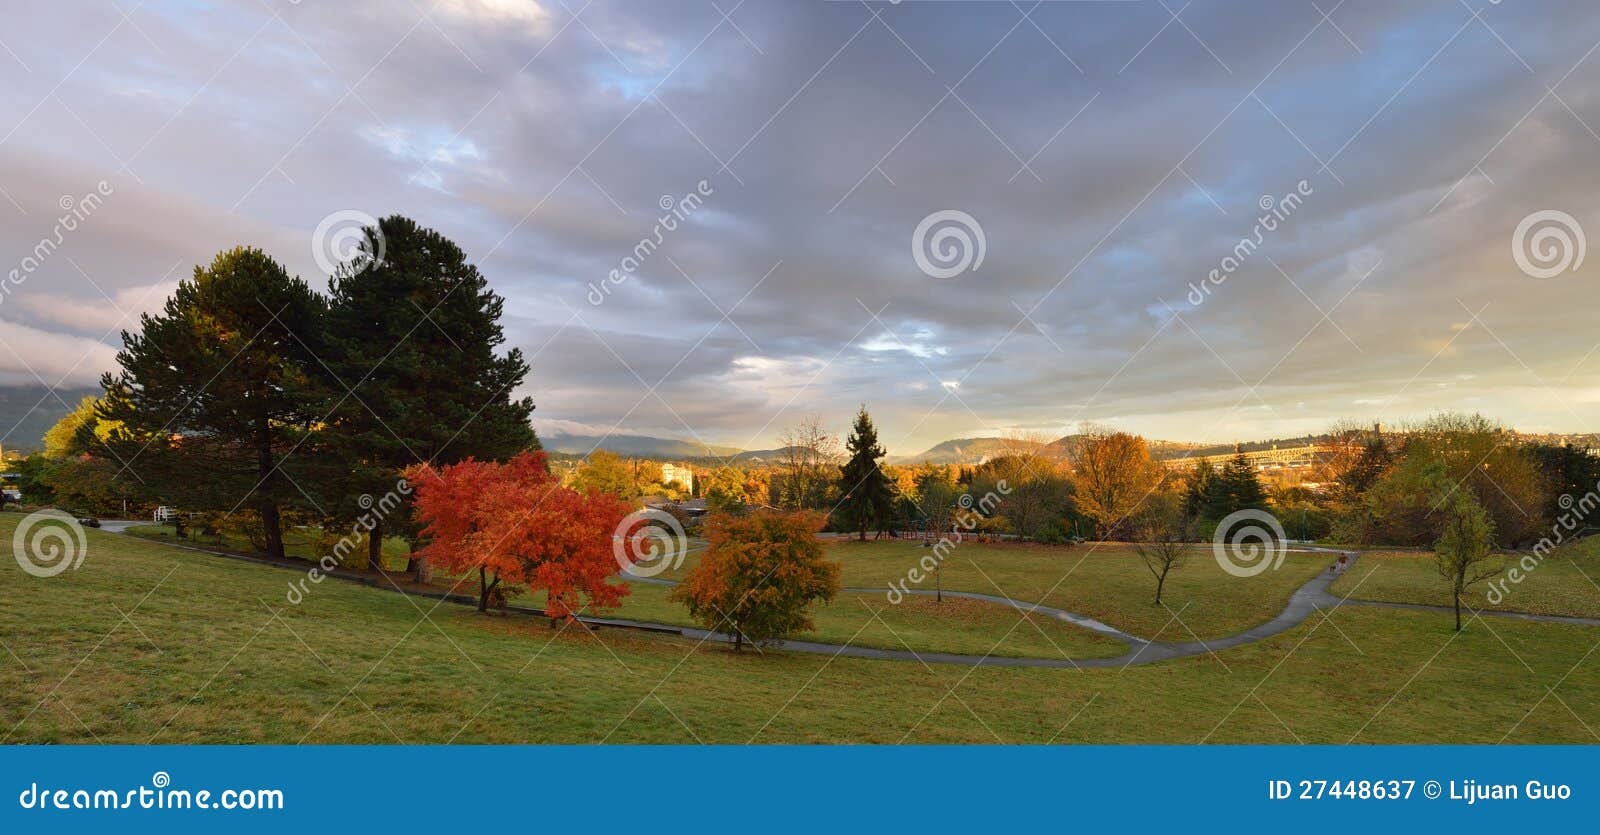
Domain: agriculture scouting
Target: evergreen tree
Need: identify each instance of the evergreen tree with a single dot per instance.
(217, 392)
(1197, 491)
(1235, 488)
(414, 332)
(862, 483)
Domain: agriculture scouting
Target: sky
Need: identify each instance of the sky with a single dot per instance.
(711, 218)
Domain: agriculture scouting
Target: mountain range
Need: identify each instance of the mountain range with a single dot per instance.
(27, 412)
(958, 451)
(634, 446)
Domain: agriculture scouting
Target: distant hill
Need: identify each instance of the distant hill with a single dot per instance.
(758, 457)
(633, 446)
(27, 412)
(963, 451)
(970, 451)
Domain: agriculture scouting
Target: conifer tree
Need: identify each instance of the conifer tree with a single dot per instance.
(1236, 488)
(414, 335)
(218, 392)
(865, 488)
(1197, 491)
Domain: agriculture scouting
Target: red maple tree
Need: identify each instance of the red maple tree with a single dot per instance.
(515, 524)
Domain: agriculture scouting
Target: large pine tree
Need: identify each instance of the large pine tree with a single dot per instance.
(1235, 488)
(218, 392)
(1197, 491)
(414, 347)
(863, 484)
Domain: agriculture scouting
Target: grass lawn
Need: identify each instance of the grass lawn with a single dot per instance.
(297, 542)
(921, 625)
(1105, 581)
(1564, 583)
(146, 643)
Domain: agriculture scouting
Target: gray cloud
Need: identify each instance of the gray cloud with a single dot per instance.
(543, 143)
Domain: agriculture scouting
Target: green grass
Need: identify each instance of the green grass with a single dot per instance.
(298, 542)
(210, 653)
(1564, 583)
(1105, 581)
(917, 624)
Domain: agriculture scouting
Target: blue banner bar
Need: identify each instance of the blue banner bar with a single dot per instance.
(714, 789)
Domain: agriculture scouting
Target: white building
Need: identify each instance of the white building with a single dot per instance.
(679, 473)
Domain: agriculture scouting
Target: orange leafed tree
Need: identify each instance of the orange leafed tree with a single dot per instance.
(516, 525)
(1114, 475)
(760, 575)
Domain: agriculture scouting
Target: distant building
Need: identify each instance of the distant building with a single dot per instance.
(677, 473)
(693, 508)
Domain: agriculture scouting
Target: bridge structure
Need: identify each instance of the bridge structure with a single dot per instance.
(1283, 457)
(1262, 459)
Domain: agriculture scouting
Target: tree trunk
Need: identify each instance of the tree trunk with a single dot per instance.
(738, 639)
(272, 526)
(484, 587)
(1160, 581)
(271, 520)
(375, 545)
(1458, 611)
(424, 571)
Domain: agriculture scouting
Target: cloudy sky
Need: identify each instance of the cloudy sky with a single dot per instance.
(1087, 171)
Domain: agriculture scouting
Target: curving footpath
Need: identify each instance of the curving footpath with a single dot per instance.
(1308, 599)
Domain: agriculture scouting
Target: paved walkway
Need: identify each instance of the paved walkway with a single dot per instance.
(1305, 601)
(1309, 599)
